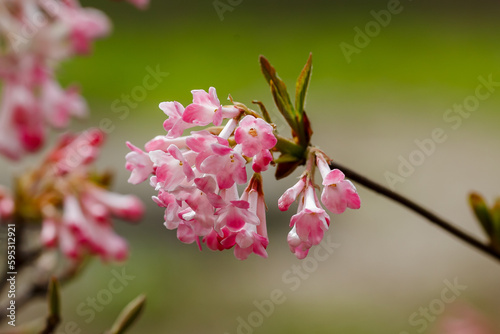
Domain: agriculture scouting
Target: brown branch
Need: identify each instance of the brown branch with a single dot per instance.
(40, 289)
(409, 204)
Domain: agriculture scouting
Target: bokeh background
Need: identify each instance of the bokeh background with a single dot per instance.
(365, 114)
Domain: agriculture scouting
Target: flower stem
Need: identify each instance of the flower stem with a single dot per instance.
(409, 204)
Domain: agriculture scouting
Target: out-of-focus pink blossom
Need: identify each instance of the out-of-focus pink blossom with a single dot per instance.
(74, 151)
(338, 193)
(6, 204)
(463, 319)
(35, 37)
(84, 25)
(141, 4)
(76, 210)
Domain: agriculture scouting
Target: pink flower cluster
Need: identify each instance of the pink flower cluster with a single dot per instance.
(35, 35)
(311, 220)
(76, 211)
(196, 176)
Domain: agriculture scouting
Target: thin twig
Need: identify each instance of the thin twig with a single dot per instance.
(409, 204)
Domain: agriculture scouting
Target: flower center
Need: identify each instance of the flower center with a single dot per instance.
(252, 132)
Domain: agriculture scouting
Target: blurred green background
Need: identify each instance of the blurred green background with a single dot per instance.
(365, 114)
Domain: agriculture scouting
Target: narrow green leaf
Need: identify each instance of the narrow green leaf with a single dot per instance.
(282, 107)
(286, 158)
(280, 90)
(495, 218)
(54, 303)
(271, 75)
(301, 87)
(263, 110)
(128, 316)
(286, 146)
(54, 299)
(482, 213)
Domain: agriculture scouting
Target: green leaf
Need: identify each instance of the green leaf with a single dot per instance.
(54, 299)
(128, 316)
(54, 303)
(286, 146)
(495, 218)
(301, 87)
(280, 92)
(286, 158)
(263, 110)
(283, 108)
(482, 213)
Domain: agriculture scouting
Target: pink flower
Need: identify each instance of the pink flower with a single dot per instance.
(311, 221)
(21, 122)
(254, 135)
(127, 207)
(174, 124)
(253, 238)
(139, 163)
(196, 177)
(298, 246)
(291, 194)
(248, 241)
(214, 241)
(338, 194)
(171, 168)
(261, 161)
(78, 232)
(58, 105)
(6, 204)
(235, 216)
(84, 25)
(226, 164)
(76, 209)
(32, 99)
(77, 151)
(207, 109)
(141, 4)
